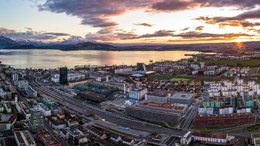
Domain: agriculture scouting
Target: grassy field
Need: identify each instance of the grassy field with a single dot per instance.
(209, 79)
(258, 71)
(187, 78)
(235, 62)
(212, 128)
(182, 78)
(160, 77)
(218, 79)
(253, 128)
(173, 78)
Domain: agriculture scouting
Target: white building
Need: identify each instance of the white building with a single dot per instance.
(205, 110)
(71, 77)
(195, 66)
(195, 72)
(186, 139)
(228, 88)
(226, 110)
(244, 110)
(210, 138)
(210, 73)
(44, 109)
(137, 93)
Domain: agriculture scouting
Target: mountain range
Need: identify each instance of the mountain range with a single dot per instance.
(7, 43)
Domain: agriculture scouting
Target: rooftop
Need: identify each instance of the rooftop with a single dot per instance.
(165, 105)
(181, 95)
(47, 137)
(210, 135)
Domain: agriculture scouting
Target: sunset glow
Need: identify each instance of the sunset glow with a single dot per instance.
(131, 22)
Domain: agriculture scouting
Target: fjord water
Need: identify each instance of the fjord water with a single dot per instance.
(56, 58)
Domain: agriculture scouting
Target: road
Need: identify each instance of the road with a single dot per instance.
(118, 119)
(190, 117)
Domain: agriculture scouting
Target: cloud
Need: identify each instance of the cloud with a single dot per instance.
(178, 5)
(239, 20)
(30, 34)
(194, 34)
(109, 36)
(123, 35)
(94, 12)
(254, 30)
(28, 28)
(56, 34)
(199, 28)
(174, 5)
(97, 13)
(159, 33)
(34, 35)
(144, 24)
(191, 35)
(6, 31)
(73, 40)
(104, 31)
(205, 37)
(237, 23)
(186, 28)
(195, 40)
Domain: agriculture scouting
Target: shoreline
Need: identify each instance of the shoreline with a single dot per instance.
(119, 50)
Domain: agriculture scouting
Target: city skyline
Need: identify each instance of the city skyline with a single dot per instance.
(129, 72)
(131, 22)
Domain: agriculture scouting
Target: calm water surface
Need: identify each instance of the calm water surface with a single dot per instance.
(57, 58)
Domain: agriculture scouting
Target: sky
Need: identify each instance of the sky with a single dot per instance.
(131, 21)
